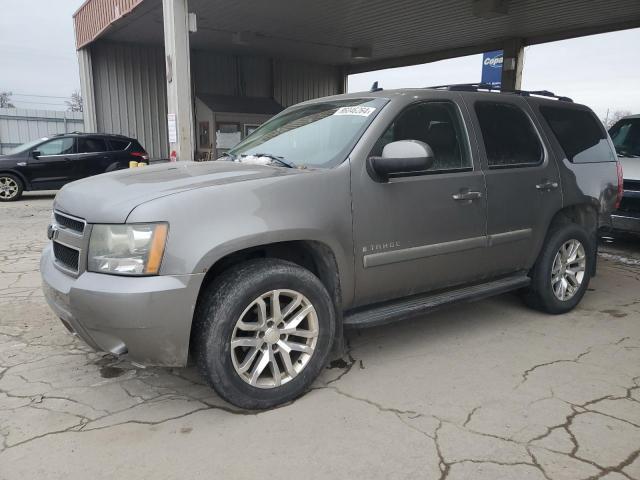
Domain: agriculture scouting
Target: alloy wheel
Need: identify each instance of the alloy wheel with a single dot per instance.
(568, 270)
(274, 338)
(8, 188)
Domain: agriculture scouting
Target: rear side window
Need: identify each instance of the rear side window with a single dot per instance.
(136, 147)
(509, 136)
(580, 135)
(119, 144)
(91, 145)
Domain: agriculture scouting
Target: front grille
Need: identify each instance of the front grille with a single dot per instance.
(630, 204)
(68, 222)
(66, 256)
(632, 185)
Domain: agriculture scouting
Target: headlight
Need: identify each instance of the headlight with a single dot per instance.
(134, 249)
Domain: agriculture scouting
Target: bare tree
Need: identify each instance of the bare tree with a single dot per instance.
(5, 100)
(612, 117)
(74, 104)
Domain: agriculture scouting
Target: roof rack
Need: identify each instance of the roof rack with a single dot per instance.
(476, 87)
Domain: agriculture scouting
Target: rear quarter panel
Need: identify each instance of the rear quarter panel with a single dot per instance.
(591, 183)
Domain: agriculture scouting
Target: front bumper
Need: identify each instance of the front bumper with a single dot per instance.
(626, 221)
(147, 318)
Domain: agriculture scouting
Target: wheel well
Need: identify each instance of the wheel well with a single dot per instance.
(25, 185)
(316, 257)
(583, 215)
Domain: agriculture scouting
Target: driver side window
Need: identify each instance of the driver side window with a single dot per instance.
(438, 125)
(59, 146)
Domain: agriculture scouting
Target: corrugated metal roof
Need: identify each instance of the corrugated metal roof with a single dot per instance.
(398, 32)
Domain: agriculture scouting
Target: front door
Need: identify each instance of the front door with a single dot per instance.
(523, 182)
(51, 164)
(421, 232)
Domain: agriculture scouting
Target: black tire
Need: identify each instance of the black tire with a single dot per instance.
(10, 180)
(540, 294)
(222, 305)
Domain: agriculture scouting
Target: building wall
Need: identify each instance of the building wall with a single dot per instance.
(295, 82)
(18, 125)
(131, 94)
(130, 88)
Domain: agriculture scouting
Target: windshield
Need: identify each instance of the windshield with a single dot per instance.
(626, 137)
(315, 135)
(26, 146)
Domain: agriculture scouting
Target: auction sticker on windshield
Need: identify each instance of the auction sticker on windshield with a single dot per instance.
(355, 110)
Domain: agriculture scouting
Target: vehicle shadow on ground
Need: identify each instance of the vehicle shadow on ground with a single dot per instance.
(37, 196)
(383, 343)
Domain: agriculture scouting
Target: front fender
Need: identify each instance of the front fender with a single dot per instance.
(210, 223)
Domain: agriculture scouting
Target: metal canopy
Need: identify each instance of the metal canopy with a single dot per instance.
(374, 34)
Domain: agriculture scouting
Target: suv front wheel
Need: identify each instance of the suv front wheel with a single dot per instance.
(10, 187)
(562, 272)
(264, 332)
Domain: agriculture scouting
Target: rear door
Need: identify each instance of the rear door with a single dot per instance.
(522, 177)
(50, 164)
(92, 156)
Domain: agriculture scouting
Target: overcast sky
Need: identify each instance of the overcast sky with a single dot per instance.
(37, 57)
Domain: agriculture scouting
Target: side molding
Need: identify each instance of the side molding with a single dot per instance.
(424, 251)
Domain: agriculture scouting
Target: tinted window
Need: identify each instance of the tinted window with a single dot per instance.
(119, 144)
(508, 134)
(438, 125)
(626, 137)
(90, 145)
(59, 146)
(136, 147)
(580, 135)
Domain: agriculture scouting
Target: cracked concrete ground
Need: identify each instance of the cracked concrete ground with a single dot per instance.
(489, 390)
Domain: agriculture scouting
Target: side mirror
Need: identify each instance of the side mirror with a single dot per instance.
(35, 153)
(401, 157)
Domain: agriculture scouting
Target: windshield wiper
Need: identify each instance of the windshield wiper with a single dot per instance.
(230, 156)
(276, 158)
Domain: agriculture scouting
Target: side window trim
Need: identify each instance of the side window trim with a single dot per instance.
(544, 154)
(465, 131)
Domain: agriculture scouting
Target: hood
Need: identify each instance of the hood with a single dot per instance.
(630, 167)
(110, 197)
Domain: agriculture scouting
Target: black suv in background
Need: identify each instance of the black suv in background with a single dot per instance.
(50, 162)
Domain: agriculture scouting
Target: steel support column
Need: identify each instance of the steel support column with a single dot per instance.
(178, 63)
(87, 90)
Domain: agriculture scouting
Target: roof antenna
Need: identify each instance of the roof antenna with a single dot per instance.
(375, 87)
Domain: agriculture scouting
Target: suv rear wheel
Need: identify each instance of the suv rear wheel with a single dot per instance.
(265, 331)
(561, 275)
(10, 187)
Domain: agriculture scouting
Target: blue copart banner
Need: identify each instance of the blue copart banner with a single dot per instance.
(492, 68)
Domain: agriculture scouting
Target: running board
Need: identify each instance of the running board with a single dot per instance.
(402, 309)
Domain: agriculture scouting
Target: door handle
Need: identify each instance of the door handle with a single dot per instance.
(546, 186)
(462, 196)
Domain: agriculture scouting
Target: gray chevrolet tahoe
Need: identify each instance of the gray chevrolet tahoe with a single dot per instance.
(347, 211)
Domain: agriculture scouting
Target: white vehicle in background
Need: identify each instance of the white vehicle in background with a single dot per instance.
(626, 138)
